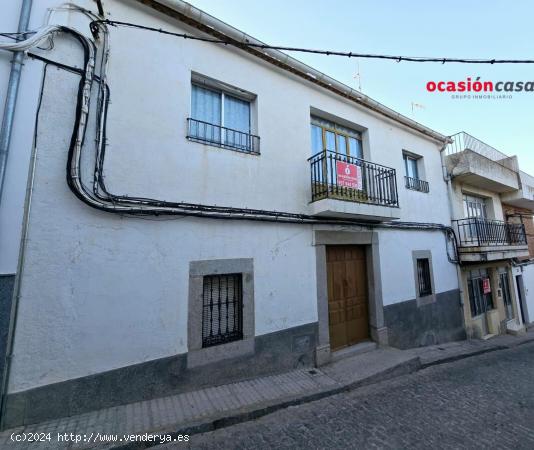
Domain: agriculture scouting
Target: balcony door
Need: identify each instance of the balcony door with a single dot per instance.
(336, 143)
(474, 208)
(335, 138)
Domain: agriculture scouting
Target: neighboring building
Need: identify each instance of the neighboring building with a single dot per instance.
(518, 209)
(489, 239)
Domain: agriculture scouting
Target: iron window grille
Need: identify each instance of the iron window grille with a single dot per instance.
(416, 184)
(222, 309)
(423, 277)
(219, 136)
(378, 183)
(221, 119)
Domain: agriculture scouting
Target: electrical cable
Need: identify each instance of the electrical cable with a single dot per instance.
(100, 198)
(420, 59)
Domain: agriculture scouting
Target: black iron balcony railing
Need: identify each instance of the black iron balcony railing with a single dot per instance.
(416, 184)
(334, 175)
(476, 232)
(200, 131)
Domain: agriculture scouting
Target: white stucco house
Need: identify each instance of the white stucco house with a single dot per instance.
(205, 213)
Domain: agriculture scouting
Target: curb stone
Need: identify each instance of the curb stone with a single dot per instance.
(237, 417)
(413, 365)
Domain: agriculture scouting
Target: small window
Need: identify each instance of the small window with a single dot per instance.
(221, 119)
(423, 277)
(222, 309)
(410, 165)
(413, 177)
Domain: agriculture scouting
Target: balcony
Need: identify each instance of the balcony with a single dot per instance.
(216, 135)
(415, 184)
(524, 197)
(489, 240)
(476, 163)
(343, 186)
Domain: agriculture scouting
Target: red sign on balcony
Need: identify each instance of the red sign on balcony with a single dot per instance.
(486, 287)
(349, 175)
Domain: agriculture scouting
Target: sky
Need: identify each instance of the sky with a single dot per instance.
(476, 29)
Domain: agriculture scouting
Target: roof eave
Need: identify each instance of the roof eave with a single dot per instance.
(206, 23)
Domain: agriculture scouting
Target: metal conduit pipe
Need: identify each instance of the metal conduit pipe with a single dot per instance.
(5, 141)
(12, 94)
(450, 193)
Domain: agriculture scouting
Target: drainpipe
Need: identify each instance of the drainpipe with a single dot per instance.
(12, 94)
(5, 140)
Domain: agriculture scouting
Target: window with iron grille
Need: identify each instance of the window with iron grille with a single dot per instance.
(222, 119)
(423, 277)
(222, 309)
(480, 302)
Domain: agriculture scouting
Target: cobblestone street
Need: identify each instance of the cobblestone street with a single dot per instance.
(480, 402)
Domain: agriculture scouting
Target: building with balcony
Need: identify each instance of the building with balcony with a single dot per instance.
(242, 213)
(491, 237)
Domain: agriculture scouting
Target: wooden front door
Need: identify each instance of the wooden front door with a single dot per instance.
(347, 295)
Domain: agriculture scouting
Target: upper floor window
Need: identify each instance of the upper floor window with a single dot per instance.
(412, 177)
(222, 119)
(335, 138)
(475, 207)
(410, 165)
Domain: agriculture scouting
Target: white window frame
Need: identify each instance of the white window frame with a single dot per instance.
(415, 159)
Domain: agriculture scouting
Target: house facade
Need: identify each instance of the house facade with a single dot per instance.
(491, 234)
(228, 212)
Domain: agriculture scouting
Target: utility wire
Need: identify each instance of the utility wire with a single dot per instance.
(419, 59)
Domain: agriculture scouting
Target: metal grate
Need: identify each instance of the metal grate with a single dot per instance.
(378, 183)
(416, 184)
(222, 309)
(423, 277)
(478, 232)
(200, 131)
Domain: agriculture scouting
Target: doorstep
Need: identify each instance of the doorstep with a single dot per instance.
(354, 350)
(488, 336)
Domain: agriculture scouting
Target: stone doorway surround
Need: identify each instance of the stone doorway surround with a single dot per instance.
(369, 239)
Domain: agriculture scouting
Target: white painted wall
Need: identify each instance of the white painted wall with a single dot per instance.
(160, 92)
(12, 202)
(528, 281)
(101, 291)
(396, 263)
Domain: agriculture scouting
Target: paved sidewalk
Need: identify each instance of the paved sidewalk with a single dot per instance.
(452, 351)
(216, 407)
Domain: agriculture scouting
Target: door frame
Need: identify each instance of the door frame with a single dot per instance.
(521, 298)
(369, 239)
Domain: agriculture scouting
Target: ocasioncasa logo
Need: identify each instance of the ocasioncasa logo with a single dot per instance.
(476, 88)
